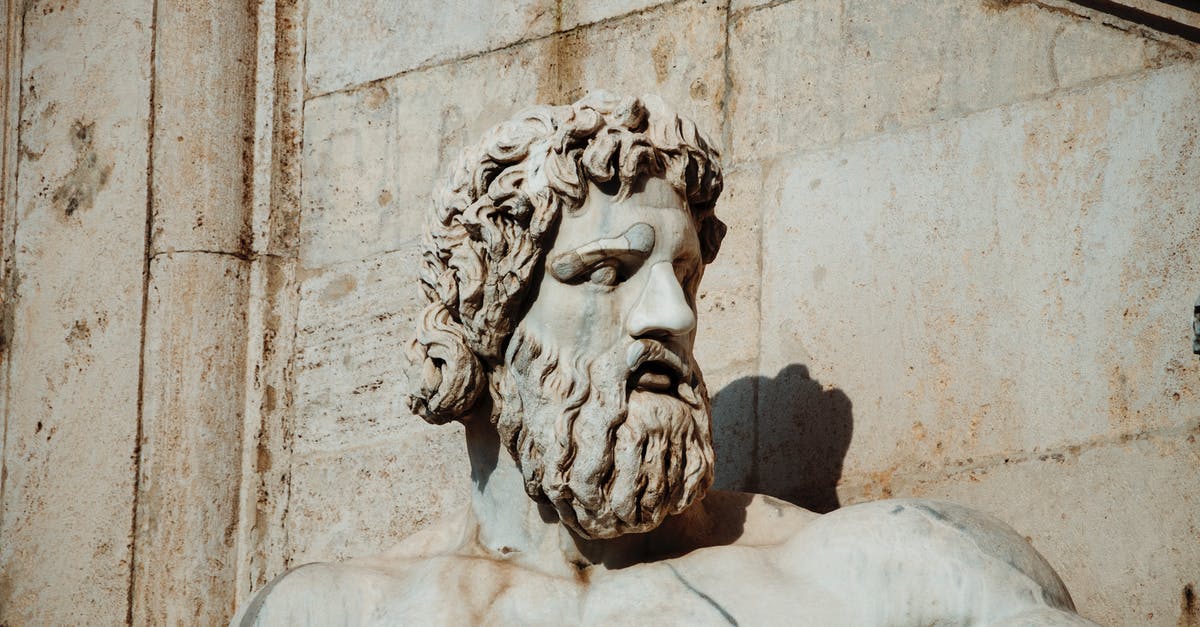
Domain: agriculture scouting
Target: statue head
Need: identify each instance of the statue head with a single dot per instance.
(560, 271)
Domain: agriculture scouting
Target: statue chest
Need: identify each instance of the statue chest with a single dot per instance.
(693, 590)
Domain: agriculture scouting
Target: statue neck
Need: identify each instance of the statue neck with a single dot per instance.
(505, 523)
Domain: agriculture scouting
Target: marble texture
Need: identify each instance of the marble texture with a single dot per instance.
(762, 561)
(559, 275)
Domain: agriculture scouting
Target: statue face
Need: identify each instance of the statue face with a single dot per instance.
(613, 424)
(621, 271)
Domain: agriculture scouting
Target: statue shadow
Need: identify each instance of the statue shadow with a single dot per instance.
(784, 436)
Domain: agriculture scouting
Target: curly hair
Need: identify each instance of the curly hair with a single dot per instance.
(495, 221)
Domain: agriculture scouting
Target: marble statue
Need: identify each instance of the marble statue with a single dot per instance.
(560, 277)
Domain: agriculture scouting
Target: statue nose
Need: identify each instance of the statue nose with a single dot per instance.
(663, 308)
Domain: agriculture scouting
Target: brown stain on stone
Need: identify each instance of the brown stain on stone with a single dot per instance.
(376, 95)
(560, 81)
(452, 129)
(879, 484)
(338, 288)
(269, 398)
(1189, 607)
(6, 590)
(80, 332)
(1118, 396)
(1001, 5)
(90, 174)
(263, 460)
(662, 54)
(919, 432)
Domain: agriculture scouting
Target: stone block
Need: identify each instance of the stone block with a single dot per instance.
(1118, 520)
(1012, 279)
(377, 39)
(373, 155)
(806, 75)
(191, 449)
(785, 76)
(576, 13)
(354, 324)
(70, 339)
(676, 51)
(363, 501)
(727, 327)
(1083, 51)
(740, 208)
(203, 126)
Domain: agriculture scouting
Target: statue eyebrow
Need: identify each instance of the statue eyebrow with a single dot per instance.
(637, 240)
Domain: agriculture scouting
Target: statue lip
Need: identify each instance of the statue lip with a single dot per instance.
(655, 376)
(654, 367)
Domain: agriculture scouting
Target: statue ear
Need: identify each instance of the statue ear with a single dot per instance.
(712, 231)
(447, 377)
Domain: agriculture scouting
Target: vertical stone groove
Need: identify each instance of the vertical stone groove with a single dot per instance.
(146, 256)
(13, 57)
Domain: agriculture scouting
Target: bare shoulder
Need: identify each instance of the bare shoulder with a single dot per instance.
(442, 537)
(382, 589)
(936, 560)
(949, 530)
(727, 518)
(313, 594)
(764, 520)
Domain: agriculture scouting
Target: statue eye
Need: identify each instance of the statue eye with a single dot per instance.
(605, 275)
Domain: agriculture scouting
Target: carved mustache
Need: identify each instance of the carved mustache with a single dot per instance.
(646, 351)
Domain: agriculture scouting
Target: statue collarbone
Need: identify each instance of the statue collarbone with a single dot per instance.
(560, 279)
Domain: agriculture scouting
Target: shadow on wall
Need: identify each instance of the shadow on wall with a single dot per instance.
(784, 436)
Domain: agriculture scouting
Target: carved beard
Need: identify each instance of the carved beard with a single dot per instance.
(610, 461)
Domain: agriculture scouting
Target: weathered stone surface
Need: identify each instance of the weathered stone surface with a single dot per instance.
(1081, 52)
(191, 448)
(579, 12)
(273, 297)
(737, 7)
(380, 39)
(268, 421)
(203, 126)
(1010, 280)
(675, 51)
(354, 323)
(810, 74)
(727, 303)
(70, 340)
(727, 329)
(359, 501)
(1117, 520)
(373, 155)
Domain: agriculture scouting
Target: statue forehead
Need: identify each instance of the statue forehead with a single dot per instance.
(655, 203)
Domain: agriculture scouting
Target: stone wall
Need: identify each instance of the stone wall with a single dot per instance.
(961, 235)
(74, 218)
